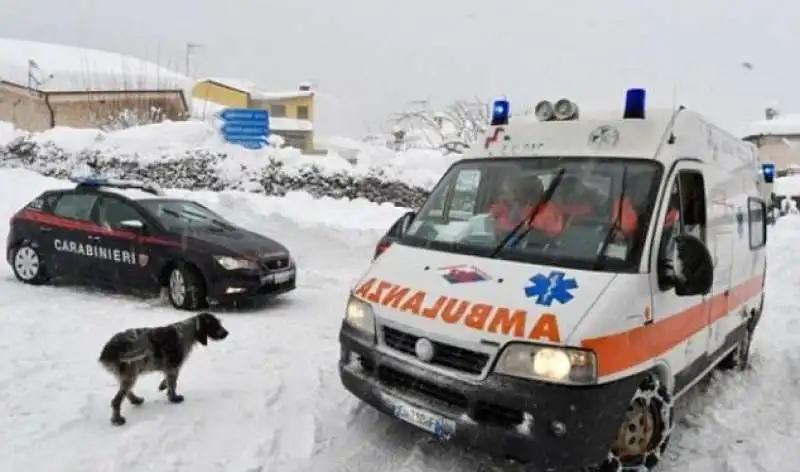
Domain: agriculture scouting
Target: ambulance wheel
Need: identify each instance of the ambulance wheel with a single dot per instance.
(644, 433)
(27, 264)
(185, 287)
(739, 358)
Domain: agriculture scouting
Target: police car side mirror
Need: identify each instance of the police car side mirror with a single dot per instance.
(696, 273)
(135, 226)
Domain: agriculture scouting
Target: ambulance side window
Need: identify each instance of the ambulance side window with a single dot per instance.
(691, 193)
(77, 206)
(756, 222)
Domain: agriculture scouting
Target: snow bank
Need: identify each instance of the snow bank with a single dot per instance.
(22, 185)
(192, 155)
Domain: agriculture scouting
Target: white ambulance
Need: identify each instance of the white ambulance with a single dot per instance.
(563, 284)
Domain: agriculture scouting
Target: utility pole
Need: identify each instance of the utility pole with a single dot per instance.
(190, 50)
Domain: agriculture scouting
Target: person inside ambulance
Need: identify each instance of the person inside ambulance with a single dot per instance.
(575, 199)
(521, 198)
(635, 203)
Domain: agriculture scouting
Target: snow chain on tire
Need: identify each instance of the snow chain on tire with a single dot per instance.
(650, 392)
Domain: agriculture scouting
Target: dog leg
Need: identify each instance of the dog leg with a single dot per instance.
(172, 385)
(125, 385)
(163, 385)
(134, 399)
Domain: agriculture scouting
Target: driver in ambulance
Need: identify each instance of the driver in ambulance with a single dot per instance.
(524, 195)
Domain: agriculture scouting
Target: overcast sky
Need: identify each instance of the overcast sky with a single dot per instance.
(369, 57)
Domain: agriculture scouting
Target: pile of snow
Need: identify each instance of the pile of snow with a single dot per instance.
(192, 155)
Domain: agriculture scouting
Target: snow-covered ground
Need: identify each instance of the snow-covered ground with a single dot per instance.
(268, 398)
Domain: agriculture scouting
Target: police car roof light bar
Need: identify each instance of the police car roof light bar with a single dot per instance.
(768, 170)
(500, 112)
(634, 104)
(97, 182)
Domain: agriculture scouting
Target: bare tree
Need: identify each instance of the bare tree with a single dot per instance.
(453, 129)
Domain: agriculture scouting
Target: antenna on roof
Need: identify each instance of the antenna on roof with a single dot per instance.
(674, 97)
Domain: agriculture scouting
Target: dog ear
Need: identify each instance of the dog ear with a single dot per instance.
(200, 333)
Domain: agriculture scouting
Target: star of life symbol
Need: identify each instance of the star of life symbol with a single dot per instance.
(604, 136)
(550, 288)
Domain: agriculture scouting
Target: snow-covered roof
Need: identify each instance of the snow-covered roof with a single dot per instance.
(783, 125)
(254, 90)
(259, 95)
(290, 124)
(80, 69)
(234, 83)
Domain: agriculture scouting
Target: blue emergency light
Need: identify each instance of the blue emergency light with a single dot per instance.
(500, 112)
(769, 172)
(634, 104)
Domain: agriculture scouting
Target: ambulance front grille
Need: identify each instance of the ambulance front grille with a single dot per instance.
(445, 355)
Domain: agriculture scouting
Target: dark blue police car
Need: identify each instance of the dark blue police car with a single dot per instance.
(130, 236)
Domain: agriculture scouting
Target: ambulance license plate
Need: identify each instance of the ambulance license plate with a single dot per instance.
(442, 427)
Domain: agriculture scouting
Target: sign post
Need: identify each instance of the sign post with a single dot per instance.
(247, 127)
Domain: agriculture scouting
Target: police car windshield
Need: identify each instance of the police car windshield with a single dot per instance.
(478, 205)
(177, 215)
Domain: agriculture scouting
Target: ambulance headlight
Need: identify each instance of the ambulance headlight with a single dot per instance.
(544, 111)
(235, 263)
(359, 315)
(548, 363)
(565, 110)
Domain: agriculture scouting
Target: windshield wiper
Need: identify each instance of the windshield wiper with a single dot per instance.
(612, 231)
(546, 197)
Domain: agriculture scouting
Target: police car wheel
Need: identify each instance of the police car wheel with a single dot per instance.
(645, 431)
(185, 288)
(27, 265)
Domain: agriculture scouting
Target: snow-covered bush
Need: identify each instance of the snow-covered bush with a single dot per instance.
(209, 168)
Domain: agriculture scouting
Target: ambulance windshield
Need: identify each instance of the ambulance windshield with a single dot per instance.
(588, 213)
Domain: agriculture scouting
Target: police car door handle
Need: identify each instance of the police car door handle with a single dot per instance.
(94, 238)
(45, 229)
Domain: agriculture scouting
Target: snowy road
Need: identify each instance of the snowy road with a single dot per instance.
(268, 398)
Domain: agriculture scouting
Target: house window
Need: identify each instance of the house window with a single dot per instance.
(302, 112)
(278, 111)
(756, 223)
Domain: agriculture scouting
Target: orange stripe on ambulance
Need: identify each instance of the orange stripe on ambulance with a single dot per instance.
(478, 316)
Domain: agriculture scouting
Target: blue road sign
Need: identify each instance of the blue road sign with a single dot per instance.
(246, 127)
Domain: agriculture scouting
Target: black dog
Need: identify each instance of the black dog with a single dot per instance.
(164, 349)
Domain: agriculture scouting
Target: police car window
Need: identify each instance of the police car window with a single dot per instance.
(112, 212)
(77, 206)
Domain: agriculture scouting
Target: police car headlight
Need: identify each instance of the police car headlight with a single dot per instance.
(359, 315)
(548, 363)
(233, 263)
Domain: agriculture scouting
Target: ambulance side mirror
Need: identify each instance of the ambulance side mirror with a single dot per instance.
(134, 226)
(397, 230)
(696, 273)
(400, 226)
